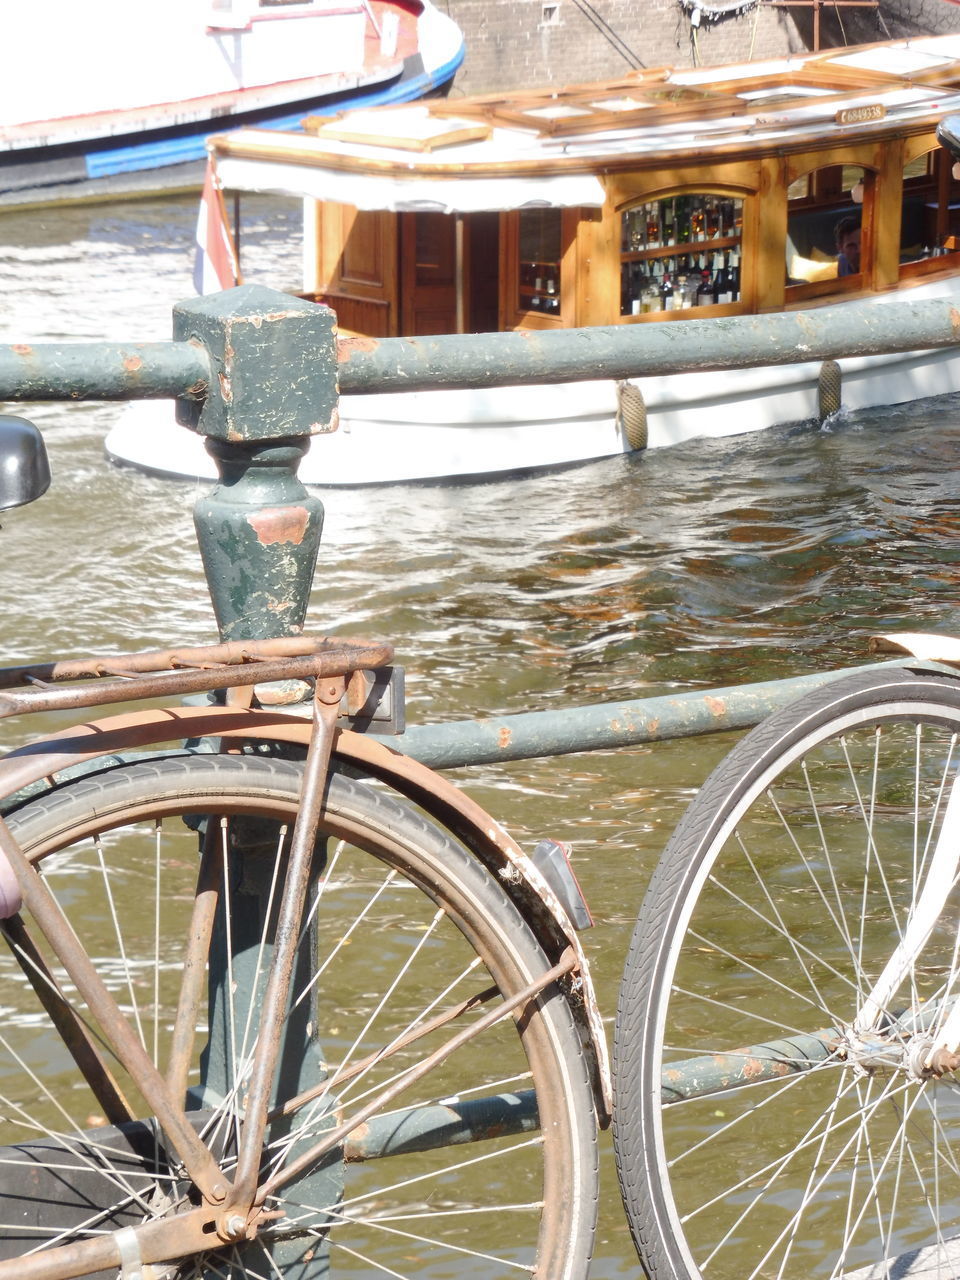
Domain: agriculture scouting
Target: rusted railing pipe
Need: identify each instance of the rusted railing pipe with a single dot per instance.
(607, 725)
(110, 371)
(103, 371)
(633, 351)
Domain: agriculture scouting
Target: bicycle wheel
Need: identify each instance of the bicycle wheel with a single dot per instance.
(777, 1109)
(407, 940)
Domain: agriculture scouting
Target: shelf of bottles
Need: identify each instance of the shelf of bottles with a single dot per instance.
(540, 251)
(680, 253)
(540, 287)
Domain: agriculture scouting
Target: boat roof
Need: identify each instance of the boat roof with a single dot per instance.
(548, 147)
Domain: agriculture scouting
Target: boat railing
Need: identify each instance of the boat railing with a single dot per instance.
(257, 373)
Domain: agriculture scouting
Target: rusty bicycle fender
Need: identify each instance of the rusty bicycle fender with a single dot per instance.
(116, 736)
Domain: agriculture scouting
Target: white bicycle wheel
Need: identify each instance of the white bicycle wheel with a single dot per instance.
(778, 1112)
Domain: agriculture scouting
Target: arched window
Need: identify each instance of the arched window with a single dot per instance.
(827, 245)
(680, 252)
(930, 213)
(541, 251)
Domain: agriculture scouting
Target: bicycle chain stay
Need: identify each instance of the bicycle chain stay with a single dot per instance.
(131, 1250)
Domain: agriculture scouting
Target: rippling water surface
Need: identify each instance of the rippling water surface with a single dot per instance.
(708, 565)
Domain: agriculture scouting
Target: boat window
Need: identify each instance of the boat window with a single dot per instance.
(824, 223)
(930, 213)
(799, 189)
(680, 253)
(539, 260)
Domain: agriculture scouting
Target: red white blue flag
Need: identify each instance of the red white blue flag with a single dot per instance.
(215, 266)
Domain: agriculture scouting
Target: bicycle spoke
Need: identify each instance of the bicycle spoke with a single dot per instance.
(405, 951)
(798, 962)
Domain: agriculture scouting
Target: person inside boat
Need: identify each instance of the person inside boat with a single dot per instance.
(847, 239)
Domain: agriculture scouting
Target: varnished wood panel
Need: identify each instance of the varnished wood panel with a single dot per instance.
(428, 273)
(357, 259)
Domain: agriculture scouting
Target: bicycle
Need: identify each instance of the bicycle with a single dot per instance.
(250, 956)
(788, 1028)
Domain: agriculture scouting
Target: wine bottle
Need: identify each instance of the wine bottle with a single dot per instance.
(683, 219)
(669, 222)
(713, 218)
(733, 267)
(697, 220)
(657, 286)
(722, 289)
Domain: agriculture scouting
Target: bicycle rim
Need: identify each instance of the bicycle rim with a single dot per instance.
(765, 1125)
(402, 931)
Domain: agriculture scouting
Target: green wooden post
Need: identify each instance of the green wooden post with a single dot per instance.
(273, 384)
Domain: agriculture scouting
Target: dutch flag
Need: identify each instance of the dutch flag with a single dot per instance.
(215, 266)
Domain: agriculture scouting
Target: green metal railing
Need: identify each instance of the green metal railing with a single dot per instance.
(257, 373)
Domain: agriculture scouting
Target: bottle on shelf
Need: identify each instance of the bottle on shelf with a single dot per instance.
(653, 225)
(722, 289)
(733, 267)
(698, 226)
(713, 218)
(668, 210)
(637, 281)
(726, 217)
(705, 293)
(666, 294)
(682, 219)
(656, 282)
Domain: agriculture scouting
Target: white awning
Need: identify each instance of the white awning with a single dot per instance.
(376, 191)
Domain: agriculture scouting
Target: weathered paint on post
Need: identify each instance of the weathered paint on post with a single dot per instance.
(273, 384)
(273, 365)
(259, 534)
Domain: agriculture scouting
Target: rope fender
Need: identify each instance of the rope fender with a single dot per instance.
(632, 415)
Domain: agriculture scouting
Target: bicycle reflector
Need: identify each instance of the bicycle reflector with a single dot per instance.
(552, 860)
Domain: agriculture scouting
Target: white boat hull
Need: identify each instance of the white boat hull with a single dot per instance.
(455, 435)
(209, 66)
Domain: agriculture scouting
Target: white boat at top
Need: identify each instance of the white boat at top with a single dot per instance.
(110, 87)
(663, 196)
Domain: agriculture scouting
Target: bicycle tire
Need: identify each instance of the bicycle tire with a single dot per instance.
(386, 875)
(760, 1128)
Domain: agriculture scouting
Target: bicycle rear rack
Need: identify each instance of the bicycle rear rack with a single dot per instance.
(374, 688)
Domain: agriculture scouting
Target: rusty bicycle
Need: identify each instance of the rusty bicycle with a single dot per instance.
(277, 1000)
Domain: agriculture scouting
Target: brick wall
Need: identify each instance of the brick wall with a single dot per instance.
(526, 43)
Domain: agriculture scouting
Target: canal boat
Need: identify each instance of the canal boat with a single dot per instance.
(126, 86)
(662, 196)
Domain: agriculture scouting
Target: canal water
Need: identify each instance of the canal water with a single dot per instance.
(707, 565)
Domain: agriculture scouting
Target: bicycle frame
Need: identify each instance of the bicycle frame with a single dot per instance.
(233, 1210)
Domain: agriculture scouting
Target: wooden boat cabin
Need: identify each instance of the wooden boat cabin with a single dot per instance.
(659, 196)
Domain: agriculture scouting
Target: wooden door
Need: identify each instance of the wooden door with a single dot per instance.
(357, 268)
(428, 273)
